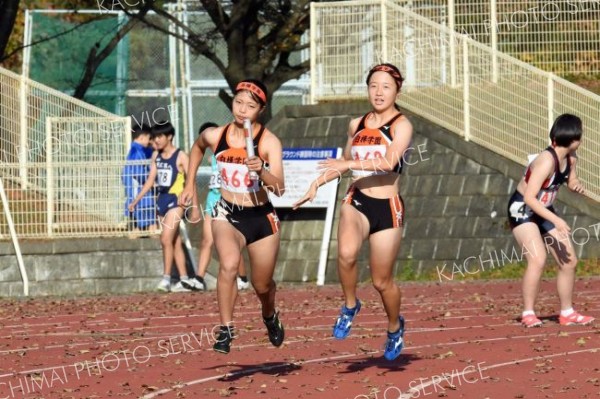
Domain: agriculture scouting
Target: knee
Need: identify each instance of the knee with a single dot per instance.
(263, 287)
(569, 265)
(347, 256)
(166, 241)
(383, 284)
(537, 262)
(228, 268)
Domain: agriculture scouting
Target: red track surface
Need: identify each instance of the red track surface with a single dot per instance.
(84, 348)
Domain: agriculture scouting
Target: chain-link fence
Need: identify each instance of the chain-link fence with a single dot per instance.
(150, 76)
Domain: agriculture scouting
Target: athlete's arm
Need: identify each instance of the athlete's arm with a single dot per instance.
(400, 142)
(194, 161)
(183, 163)
(573, 181)
(148, 185)
(541, 169)
(272, 178)
(329, 174)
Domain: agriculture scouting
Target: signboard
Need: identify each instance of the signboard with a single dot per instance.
(300, 168)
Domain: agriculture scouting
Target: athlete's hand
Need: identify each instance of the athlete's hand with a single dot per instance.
(186, 196)
(309, 196)
(254, 164)
(339, 165)
(131, 206)
(562, 228)
(576, 186)
(192, 214)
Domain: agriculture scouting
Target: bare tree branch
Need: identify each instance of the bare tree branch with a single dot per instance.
(56, 36)
(95, 59)
(217, 15)
(280, 40)
(7, 21)
(193, 39)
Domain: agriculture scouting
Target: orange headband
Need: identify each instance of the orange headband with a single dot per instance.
(252, 88)
(391, 71)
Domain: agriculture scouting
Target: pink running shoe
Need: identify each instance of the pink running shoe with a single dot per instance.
(575, 319)
(531, 321)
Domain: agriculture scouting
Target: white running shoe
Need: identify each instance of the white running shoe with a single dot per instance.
(242, 285)
(164, 286)
(193, 284)
(180, 287)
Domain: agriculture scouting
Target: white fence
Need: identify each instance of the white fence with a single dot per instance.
(473, 90)
(61, 161)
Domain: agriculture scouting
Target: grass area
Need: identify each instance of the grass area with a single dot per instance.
(585, 268)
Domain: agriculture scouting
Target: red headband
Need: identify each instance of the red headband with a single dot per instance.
(252, 88)
(391, 71)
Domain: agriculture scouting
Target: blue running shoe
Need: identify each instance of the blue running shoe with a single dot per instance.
(341, 329)
(395, 342)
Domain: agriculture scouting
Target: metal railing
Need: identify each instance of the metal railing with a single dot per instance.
(465, 86)
(61, 160)
(560, 36)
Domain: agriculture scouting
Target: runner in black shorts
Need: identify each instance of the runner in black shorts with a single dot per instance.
(372, 208)
(536, 226)
(244, 217)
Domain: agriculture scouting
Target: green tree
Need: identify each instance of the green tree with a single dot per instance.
(260, 36)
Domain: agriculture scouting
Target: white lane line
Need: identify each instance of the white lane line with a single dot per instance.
(417, 389)
(285, 365)
(251, 371)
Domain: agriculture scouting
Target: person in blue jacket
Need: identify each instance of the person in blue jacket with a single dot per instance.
(134, 176)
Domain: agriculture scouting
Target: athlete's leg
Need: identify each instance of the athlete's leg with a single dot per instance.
(228, 243)
(263, 258)
(205, 246)
(179, 255)
(529, 240)
(353, 229)
(563, 252)
(170, 231)
(385, 245)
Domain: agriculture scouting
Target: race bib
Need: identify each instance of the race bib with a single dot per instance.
(363, 152)
(215, 181)
(547, 197)
(518, 210)
(236, 178)
(165, 176)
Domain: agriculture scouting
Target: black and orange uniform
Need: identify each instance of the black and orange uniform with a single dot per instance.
(519, 212)
(169, 181)
(369, 143)
(254, 222)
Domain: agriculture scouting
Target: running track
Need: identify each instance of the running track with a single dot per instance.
(84, 348)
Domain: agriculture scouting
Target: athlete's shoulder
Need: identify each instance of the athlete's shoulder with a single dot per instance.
(212, 135)
(270, 139)
(544, 162)
(353, 125)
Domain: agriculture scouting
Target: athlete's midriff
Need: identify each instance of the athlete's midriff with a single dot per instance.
(246, 199)
(379, 186)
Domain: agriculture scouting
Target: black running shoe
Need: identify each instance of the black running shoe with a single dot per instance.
(275, 330)
(223, 344)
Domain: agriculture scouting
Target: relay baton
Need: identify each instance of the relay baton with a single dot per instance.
(249, 145)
